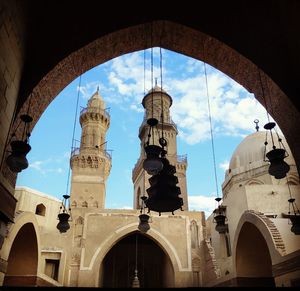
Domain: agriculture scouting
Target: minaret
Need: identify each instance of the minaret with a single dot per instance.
(91, 163)
(153, 101)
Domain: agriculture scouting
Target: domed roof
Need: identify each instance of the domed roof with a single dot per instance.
(96, 100)
(157, 89)
(250, 152)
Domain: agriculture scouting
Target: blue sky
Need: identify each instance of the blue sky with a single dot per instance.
(121, 84)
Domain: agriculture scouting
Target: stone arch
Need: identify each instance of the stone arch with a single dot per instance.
(178, 38)
(153, 264)
(266, 233)
(115, 237)
(293, 180)
(22, 269)
(254, 182)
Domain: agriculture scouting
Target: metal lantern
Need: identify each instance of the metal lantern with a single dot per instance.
(17, 160)
(220, 218)
(63, 217)
(278, 167)
(144, 223)
(152, 164)
(294, 216)
(163, 192)
(63, 224)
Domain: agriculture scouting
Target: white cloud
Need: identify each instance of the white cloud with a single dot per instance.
(233, 109)
(89, 89)
(50, 165)
(224, 165)
(202, 203)
(38, 165)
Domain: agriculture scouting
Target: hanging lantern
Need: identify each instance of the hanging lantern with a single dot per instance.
(152, 164)
(294, 216)
(220, 218)
(63, 216)
(63, 224)
(136, 281)
(143, 218)
(163, 192)
(17, 160)
(278, 167)
(144, 223)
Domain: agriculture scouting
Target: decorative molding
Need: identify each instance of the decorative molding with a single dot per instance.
(276, 236)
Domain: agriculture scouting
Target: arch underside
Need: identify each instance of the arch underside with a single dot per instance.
(177, 38)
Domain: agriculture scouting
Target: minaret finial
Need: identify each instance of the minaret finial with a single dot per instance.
(155, 82)
(256, 121)
(98, 89)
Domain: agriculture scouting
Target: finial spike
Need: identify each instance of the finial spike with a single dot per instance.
(155, 82)
(98, 89)
(256, 121)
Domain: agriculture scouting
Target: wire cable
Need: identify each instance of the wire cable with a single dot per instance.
(73, 134)
(211, 131)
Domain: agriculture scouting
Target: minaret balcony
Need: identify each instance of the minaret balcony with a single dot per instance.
(94, 113)
(95, 110)
(90, 150)
(167, 123)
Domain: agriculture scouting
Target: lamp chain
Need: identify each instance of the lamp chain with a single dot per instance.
(263, 95)
(73, 134)
(161, 99)
(211, 131)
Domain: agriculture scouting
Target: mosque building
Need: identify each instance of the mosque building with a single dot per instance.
(105, 247)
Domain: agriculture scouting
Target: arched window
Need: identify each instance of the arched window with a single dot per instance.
(194, 234)
(138, 197)
(40, 210)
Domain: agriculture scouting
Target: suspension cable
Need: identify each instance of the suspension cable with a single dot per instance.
(73, 135)
(211, 131)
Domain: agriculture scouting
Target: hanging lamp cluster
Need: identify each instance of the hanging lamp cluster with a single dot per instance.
(163, 193)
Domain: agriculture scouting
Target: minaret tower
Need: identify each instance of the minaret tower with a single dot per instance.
(152, 102)
(91, 163)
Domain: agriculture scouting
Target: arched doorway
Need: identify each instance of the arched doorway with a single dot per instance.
(253, 260)
(23, 258)
(154, 266)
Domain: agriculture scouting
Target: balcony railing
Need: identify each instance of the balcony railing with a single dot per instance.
(167, 122)
(76, 151)
(95, 110)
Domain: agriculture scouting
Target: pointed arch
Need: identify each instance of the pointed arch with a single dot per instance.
(23, 258)
(254, 181)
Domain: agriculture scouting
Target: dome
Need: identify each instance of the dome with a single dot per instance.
(96, 101)
(250, 152)
(157, 89)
